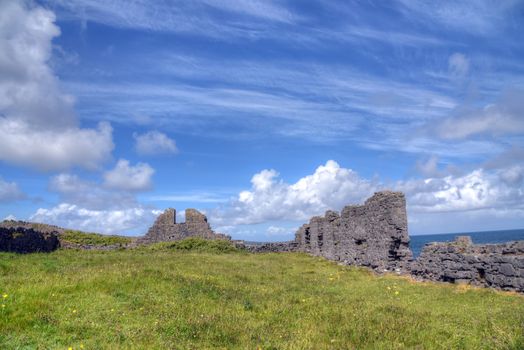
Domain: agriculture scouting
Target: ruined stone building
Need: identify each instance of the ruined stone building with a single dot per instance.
(166, 228)
(488, 265)
(374, 234)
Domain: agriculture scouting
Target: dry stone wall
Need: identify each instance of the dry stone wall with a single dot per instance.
(27, 240)
(166, 228)
(490, 265)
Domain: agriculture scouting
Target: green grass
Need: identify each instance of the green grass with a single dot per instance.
(79, 237)
(196, 244)
(165, 298)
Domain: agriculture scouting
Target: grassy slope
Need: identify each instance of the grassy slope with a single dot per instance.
(171, 298)
(79, 237)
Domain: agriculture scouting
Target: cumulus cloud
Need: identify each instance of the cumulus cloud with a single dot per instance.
(23, 144)
(129, 178)
(496, 193)
(505, 117)
(458, 64)
(37, 121)
(103, 221)
(473, 191)
(89, 194)
(154, 142)
(270, 198)
(9, 191)
(93, 206)
(10, 217)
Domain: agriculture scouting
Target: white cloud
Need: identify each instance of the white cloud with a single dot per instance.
(90, 195)
(479, 17)
(23, 144)
(103, 221)
(91, 206)
(429, 167)
(9, 191)
(279, 231)
(129, 178)
(154, 142)
(271, 201)
(203, 17)
(329, 187)
(473, 191)
(37, 121)
(513, 175)
(10, 217)
(505, 117)
(458, 64)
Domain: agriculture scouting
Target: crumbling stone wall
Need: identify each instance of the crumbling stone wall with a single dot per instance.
(166, 228)
(374, 234)
(271, 247)
(491, 265)
(27, 240)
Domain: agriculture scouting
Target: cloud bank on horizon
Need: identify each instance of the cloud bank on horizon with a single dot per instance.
(260, 113)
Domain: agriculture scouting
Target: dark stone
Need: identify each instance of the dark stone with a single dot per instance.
(374, 234)
(166, 229)
(27, 240)
(490, 265)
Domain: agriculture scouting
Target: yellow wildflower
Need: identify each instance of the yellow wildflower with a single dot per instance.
(5, 296)
(74, 311)
(81, 346)
(396, 292)
(70, 348)
(3, 305)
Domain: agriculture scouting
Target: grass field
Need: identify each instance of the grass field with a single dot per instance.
(190, 297)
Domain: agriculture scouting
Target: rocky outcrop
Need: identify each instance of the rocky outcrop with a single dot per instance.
(27, 240)
(166, 228)
(491, 265)
(374, 234)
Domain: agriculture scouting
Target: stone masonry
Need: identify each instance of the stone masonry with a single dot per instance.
(27, 240)
(374, 234)
(490, 265)
(166, 228)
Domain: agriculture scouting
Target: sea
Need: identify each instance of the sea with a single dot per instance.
(418, 242)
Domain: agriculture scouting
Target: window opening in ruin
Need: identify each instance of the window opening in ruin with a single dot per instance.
(360, 241)
(482, 274)
(307, 236)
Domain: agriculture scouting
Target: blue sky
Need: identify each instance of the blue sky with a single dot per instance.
(261, 113)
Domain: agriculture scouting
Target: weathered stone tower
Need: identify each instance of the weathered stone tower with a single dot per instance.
(166, 228)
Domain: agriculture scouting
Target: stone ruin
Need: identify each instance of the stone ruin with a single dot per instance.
(374, 234)
(488, 265)
(27, 240)
(166, 228)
